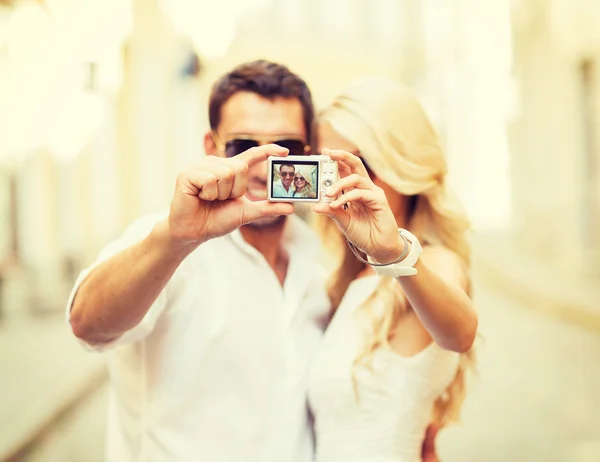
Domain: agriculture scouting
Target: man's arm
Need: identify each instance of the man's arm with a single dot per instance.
(117, 294)
(208, 202)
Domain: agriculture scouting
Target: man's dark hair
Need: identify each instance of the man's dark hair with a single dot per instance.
(266, 79)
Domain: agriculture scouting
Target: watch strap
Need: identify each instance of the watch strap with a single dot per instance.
(404, 267)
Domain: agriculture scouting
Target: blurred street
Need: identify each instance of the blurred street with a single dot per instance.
(537, 397)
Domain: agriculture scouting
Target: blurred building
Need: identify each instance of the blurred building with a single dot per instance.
(555, 132)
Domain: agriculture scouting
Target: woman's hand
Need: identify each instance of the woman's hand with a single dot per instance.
(438, 293)
(361, 210)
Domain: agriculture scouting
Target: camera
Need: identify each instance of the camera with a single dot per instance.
(301, 178)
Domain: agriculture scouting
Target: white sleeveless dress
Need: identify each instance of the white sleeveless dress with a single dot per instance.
(389, 420)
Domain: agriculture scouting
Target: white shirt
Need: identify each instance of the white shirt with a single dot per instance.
(387, 422)
(280, 191)
(217, 370)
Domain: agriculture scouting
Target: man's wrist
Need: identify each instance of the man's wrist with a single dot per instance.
(172, 246)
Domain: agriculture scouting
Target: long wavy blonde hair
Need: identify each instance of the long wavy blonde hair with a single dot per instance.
(394, 136)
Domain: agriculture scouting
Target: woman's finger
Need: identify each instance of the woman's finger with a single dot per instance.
(348, 183)
(343, 170)
(348, 160)
(370, 198)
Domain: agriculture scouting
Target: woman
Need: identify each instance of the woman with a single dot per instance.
(303, 187)
(394, 356)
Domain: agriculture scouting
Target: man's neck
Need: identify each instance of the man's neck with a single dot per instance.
(268, 241)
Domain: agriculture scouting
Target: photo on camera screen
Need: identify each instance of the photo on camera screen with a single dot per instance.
(295, 180)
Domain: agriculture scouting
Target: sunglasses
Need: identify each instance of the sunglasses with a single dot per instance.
(299, 178)
(236, 144)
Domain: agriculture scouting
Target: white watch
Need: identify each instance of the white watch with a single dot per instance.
(404, 267)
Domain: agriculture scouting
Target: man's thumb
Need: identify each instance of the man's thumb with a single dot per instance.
(264, 209)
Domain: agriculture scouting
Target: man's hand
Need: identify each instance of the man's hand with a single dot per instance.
(209, 198)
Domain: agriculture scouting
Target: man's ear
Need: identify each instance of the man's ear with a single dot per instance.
(210, 147)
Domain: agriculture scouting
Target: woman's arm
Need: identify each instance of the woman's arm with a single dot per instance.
(428, 453)
(437, 292)
(438, 295)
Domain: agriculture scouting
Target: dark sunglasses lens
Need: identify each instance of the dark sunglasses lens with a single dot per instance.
(296, 147)
(235, 147)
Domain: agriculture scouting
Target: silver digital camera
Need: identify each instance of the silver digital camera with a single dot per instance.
(301, 178)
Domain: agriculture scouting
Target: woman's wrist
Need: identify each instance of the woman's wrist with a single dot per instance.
(393, 255)
(404, 264)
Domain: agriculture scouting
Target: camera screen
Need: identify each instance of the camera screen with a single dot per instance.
(295, 179)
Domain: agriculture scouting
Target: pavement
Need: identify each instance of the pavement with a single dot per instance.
(45, 374)
(536, 396)
(79, 437)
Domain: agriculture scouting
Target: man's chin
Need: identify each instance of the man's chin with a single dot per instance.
(267, 223)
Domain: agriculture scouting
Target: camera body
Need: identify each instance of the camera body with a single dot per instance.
(301, 178)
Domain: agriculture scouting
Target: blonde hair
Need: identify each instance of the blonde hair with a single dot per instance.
(394, 136)
(308, 190)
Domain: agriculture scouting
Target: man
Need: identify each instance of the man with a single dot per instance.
(210, 329)
(210, 314)
(283, 186)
